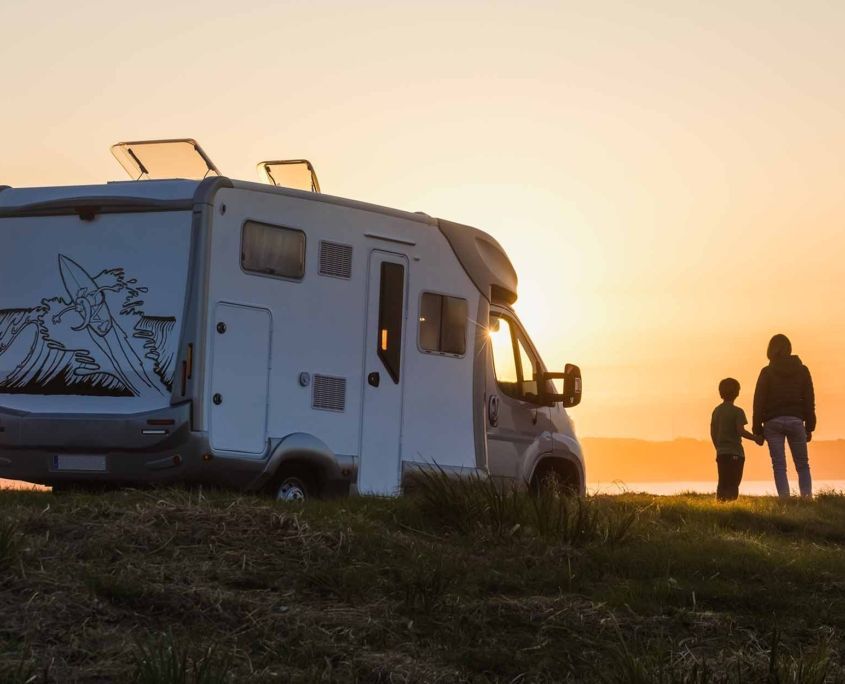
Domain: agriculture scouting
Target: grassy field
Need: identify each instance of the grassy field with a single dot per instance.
(457, 582)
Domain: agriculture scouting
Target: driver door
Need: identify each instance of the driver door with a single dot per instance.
(515, 421)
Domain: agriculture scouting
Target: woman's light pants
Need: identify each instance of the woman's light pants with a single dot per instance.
(792, 430)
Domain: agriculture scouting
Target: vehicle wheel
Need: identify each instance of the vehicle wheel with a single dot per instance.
(294, 487)
(549, 480)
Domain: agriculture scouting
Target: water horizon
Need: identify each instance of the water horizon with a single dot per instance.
(670, 487)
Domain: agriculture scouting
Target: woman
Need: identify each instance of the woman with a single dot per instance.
(785, 408)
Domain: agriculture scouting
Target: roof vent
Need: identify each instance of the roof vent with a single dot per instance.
(298, 174)
(158, 159)
(329, 393)
(335, 260)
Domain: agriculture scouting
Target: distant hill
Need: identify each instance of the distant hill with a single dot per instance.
(637, 460)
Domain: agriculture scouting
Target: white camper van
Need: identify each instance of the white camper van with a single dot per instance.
(262, 337)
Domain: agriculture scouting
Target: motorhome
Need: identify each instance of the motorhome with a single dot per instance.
(184, 326)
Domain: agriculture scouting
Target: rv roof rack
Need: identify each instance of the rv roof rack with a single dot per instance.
(289, 173)
(160, 159)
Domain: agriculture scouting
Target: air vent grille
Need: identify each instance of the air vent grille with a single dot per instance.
(329, 393)
(335, 260)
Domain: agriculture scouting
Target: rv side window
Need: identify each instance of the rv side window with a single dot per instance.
(273, 250)
(443, 324)
(390, 309)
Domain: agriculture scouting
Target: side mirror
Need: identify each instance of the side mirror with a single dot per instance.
(572, 387)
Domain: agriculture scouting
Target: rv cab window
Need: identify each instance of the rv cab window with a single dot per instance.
(504, 365)
(443, 324)
(528, 368)
(514, 364)
(273, 250)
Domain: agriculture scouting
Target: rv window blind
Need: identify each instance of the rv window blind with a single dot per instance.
(391, 303)
(273, 250)
(443, 324)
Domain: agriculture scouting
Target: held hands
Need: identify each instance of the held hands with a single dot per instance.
(759, 440)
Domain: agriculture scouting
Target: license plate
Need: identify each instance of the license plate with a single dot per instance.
(80, 463)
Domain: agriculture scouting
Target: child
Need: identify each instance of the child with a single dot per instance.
(727, 428)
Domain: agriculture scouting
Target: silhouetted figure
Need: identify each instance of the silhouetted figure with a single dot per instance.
(785, 409)
(727, 428)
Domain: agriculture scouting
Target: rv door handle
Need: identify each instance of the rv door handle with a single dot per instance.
(493, 410)
(374, 379)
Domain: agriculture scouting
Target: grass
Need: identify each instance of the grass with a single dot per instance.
(166, 660)
(460, 582)
(10, 542)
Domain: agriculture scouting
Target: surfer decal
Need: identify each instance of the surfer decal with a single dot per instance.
(93, 339)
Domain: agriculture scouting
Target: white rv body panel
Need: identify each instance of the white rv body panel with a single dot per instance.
(320, 326)
(156, 191)
(91, 311)
(439, 400)
(240, 375)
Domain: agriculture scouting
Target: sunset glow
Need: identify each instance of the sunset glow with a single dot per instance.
(668, 185)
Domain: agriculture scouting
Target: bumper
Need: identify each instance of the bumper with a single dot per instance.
(153, 448)
(143, 448)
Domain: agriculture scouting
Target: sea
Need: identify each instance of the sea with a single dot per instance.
(747, 488)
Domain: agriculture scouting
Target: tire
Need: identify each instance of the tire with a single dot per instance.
(294, 486)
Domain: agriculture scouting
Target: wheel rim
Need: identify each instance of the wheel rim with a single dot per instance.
(291, 489)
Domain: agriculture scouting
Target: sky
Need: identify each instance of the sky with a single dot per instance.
(666, 176)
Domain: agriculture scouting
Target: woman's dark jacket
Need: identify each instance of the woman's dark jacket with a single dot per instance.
(784, 388)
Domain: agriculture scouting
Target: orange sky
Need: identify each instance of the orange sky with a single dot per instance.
(669, 181)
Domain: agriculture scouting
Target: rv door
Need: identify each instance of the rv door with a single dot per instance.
(240, 378)
(379, 471)
(517, 424)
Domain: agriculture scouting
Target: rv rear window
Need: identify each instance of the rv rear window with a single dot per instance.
(443, 324)
(273, 250)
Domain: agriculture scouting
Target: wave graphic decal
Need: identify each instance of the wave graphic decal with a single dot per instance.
(78, 343)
